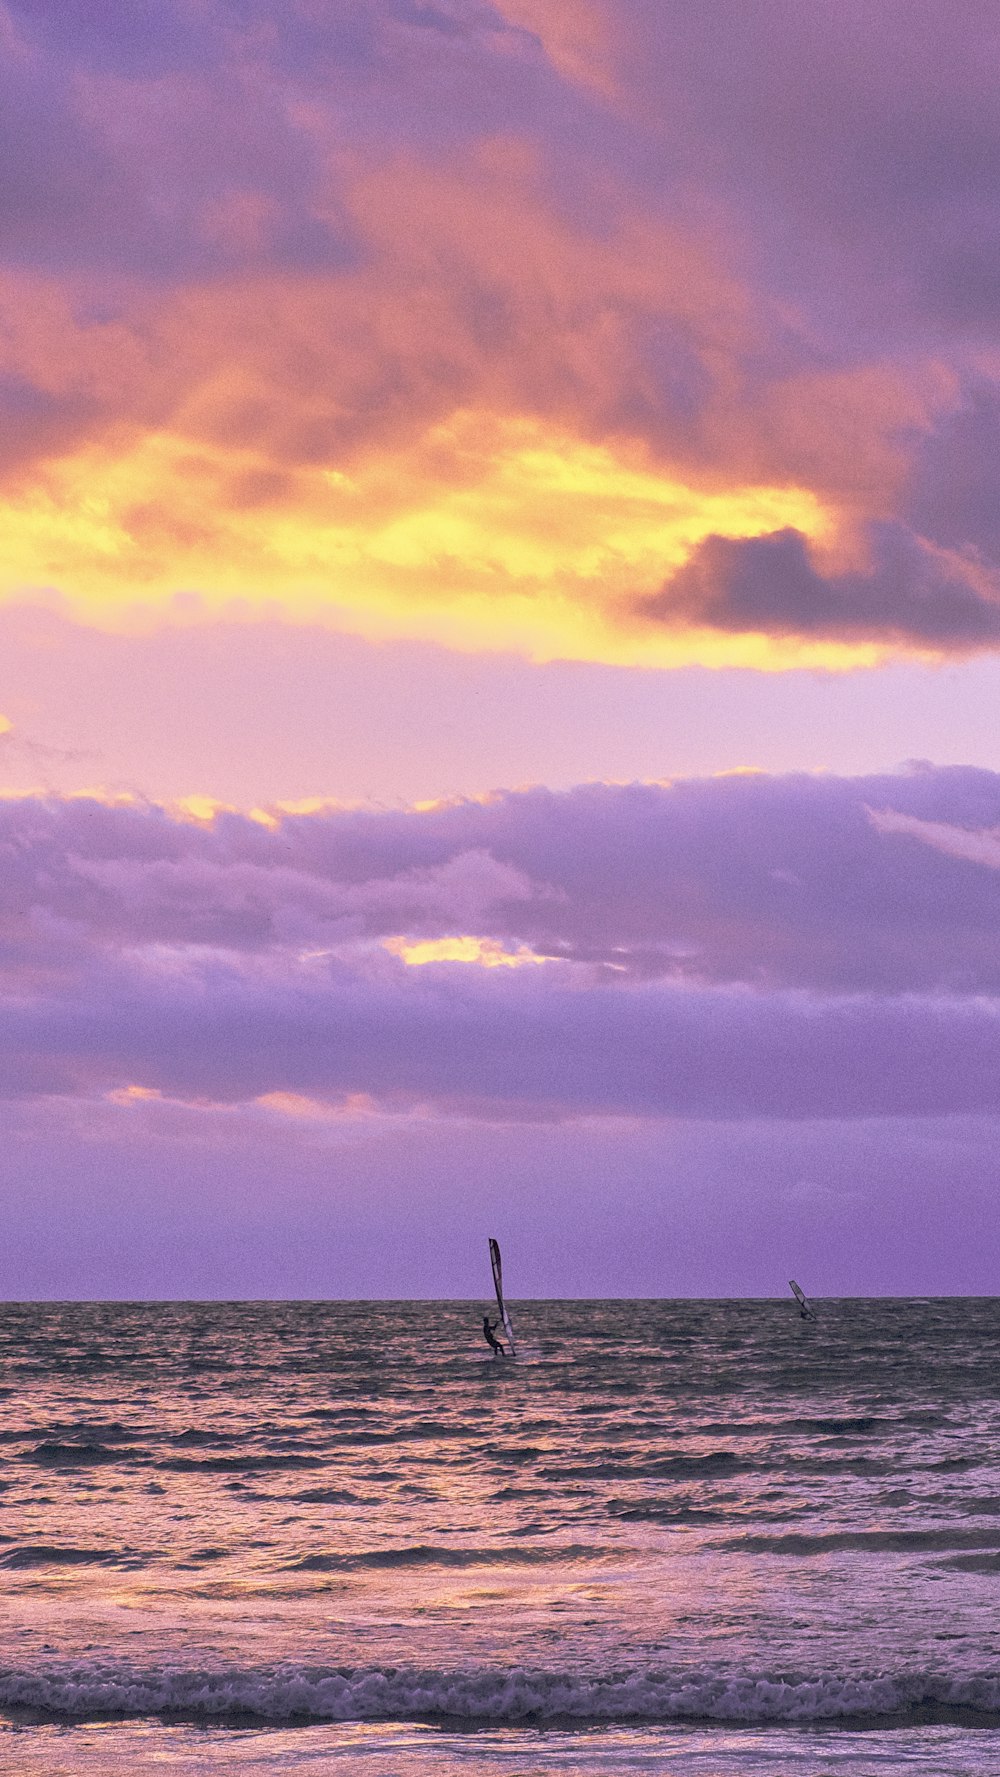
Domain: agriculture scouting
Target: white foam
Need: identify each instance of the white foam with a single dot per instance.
(289, 1693)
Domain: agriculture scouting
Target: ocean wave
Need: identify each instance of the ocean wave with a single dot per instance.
(49, 1555)
(430, 1555)
(664, 1468)
(328, 1496)
(88, 1431)
(722, 1463)
(972, 1563)
(655, 1511)
(858, 1426)
(249, 1464)
(862, 1542)
(199, 1437)
(80, 1455)
(499, 1697)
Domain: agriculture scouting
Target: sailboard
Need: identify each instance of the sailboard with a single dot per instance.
(800, 1298)
(497, 1264)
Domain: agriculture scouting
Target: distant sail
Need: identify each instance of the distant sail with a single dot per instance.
(800, 1298)
(497, 1265)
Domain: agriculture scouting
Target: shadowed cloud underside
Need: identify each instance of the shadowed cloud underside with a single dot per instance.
(735, 947)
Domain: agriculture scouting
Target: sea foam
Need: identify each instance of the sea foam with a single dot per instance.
(291, 1693)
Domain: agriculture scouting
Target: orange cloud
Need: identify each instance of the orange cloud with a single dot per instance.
(526, 545)
(457, 440)
(485, 952)
(300, 1105)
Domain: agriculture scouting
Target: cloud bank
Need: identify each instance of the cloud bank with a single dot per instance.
(724, 948)
(587, 330)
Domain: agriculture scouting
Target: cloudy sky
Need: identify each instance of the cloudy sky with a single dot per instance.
(499, 646)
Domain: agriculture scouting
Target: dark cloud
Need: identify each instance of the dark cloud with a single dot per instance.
(728, 947)
(769, 584)
(823, 883)
(130, 36)
(954, 487)
(864, 143)
(139, 146)
(500, 1043)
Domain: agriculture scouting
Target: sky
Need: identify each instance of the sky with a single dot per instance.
(499, 647)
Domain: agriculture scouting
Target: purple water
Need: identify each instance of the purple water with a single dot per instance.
(680, 1536)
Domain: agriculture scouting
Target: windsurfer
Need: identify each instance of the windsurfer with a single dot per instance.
(490, 1335)
(805, 1312)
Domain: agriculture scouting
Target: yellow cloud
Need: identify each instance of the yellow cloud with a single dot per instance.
(489, 532)
(202, 809)
(484, 951)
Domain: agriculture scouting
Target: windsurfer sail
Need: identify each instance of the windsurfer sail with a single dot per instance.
(508, 1324)
(805, 1312)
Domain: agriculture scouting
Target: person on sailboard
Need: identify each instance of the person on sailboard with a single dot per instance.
(805, 1312)
(490, 1335)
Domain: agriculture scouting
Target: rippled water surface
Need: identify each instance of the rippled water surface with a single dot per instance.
(695, 1537)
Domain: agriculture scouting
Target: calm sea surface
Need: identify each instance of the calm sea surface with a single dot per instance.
(688, 1537)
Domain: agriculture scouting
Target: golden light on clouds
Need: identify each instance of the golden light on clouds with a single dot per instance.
(486, 952)
(314, 1110)
(488, 532)
(131, 1095)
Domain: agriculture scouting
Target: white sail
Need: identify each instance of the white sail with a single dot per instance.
(497, 1265)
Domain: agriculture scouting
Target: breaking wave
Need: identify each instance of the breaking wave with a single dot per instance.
(288, 1694)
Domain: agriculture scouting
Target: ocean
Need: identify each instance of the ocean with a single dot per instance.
(686, 1537)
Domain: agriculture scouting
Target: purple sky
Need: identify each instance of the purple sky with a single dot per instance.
(499, 646)
(727, 1018)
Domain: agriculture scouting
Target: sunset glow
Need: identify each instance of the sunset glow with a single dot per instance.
(487, 534)
(499, 876)
(484, 951)
(500, 636)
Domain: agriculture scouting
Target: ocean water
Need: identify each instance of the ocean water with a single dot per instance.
(684, 1537)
